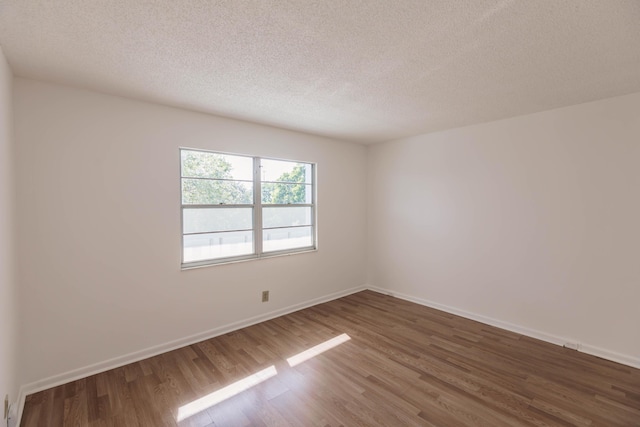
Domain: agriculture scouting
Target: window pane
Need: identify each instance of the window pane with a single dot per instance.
(198, 247)
(216, 219)
(286, 216)
(287, 238)
(282, 171)
(201, 164)
(282, 194)
(212, 192)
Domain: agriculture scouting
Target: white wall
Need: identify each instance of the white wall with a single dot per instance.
(532, 221)
(99, 227)
(8, 294)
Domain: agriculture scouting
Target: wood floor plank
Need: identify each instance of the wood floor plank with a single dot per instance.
(402, 365)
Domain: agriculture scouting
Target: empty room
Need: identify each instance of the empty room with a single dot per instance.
(320, 213)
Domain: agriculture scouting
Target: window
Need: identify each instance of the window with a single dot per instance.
(239, 207)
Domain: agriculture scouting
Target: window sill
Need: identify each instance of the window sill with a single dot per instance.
(194, 266)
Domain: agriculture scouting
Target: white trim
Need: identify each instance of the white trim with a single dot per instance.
(15, 410)
(613, 356)
(136, 356)
(256, 207)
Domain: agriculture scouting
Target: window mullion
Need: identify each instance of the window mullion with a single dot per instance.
(314, 205)
(257, 207)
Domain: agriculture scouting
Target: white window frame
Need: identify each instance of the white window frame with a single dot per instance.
(257, 207)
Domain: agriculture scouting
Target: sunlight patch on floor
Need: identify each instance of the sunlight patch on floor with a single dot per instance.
(253, 380)
(225, 393)
(318, 349)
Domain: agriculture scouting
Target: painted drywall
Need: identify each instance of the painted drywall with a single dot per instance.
(530, 221)
(98, 199)
(8, 293)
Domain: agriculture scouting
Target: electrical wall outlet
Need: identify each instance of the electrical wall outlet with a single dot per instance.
(265, 296)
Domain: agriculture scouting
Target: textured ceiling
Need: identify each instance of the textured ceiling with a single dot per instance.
(361, 70)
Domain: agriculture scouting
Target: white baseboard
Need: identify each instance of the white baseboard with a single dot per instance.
(136, 356)
(613, 356)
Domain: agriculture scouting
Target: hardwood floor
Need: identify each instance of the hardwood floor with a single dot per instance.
(399, 364)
